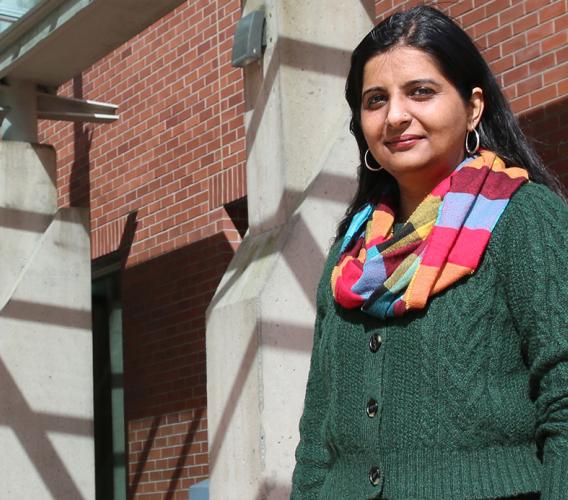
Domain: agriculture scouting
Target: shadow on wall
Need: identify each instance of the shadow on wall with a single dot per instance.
(297, 54)
(180, 460)
(314, 257)
(32, 429)
(548, 130)
(275, 491)
(164, 303)
(79, 182)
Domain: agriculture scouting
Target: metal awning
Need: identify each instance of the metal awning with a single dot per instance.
(12, 11)
(57, 39)
(51, 41)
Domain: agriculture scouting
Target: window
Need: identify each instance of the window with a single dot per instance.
(110, 441)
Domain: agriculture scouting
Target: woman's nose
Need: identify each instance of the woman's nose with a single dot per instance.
(397, 114)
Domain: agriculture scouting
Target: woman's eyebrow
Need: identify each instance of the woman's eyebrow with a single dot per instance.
(421, 81)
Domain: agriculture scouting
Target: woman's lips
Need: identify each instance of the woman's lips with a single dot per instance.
(403, 142)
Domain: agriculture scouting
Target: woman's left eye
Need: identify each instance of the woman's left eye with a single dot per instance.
(422, 92)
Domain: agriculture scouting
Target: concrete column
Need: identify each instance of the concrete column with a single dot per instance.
(18, 100)
(301, 170)
(46, 387)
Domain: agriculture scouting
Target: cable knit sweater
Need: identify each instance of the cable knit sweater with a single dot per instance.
(467, 399)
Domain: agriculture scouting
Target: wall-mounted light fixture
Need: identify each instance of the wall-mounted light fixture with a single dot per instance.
(249, 40)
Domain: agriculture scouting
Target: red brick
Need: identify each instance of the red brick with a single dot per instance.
(520, 104)
(460, 8)
(499, 35)
(474, 16)
(556, 75)
(563, 87)
(561, 23)
(540, 32)
(496, 6)
(503, 64)
(517, 42)
(511, 14)
(529, 85)
(530, 52)
(487, 25)
(556, 41)
(515, 75)
(524, 23)
(542, 63)
(552, 11)
(541, 96)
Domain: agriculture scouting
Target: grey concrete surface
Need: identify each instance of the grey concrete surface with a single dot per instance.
(46, 386)
(301, 173)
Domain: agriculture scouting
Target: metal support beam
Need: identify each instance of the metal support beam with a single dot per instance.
(54, 107)
(21, 105)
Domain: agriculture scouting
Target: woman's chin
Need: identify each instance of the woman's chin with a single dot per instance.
(418, 162)
(406, 162)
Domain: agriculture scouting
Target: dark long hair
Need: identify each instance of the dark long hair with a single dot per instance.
(431, 31)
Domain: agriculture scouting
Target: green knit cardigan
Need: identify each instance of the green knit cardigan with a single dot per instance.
(467, 399)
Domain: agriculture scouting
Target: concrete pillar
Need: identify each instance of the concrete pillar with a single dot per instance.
(301, 171)
(46, 386)
(18, 100)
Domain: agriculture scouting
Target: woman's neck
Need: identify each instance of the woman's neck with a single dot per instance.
(413, 188)
(408, 202)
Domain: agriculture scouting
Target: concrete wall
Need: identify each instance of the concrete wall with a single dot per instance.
(300, 170)
(46, 386)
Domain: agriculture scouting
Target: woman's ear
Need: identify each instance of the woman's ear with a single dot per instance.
(476, 105)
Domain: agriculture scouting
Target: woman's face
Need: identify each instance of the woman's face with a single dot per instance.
(413, 118)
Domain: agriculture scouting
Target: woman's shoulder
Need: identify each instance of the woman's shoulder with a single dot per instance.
(535, 217)
(534, 207)
(324, 286)
(536, 195)
(333, 254)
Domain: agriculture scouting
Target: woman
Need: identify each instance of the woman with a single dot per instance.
(440, 361)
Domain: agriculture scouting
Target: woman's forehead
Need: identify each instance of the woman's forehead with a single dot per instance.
(399, 65)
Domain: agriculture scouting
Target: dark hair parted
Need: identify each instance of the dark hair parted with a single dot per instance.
(427, 29)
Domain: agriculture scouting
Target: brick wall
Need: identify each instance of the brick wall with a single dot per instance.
(165, 366)
(174, 162)
(526, 45)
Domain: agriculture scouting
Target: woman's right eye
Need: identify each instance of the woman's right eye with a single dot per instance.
(375, 100)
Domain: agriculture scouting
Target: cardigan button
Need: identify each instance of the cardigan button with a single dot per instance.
(374, 476)
(375, 342)
(372, 408)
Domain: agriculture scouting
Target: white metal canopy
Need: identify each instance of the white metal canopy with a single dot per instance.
(53, 41)
(57, 39)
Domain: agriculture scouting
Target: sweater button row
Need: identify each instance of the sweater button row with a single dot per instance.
(374, 476)
(375, 342)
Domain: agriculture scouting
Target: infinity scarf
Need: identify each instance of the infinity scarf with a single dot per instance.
(444, 239)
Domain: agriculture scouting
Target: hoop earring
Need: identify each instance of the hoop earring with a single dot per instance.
(471, 152)
(372, 169)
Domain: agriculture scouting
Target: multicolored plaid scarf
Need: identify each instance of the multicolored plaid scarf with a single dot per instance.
(443, 240)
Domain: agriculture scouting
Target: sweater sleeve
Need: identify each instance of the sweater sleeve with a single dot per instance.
(534, 253)
(313, 456)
